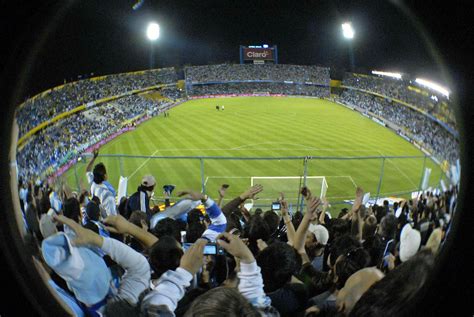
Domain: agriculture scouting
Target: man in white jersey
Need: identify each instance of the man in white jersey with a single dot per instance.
(99, 188)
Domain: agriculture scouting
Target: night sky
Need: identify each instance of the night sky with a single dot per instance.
(74, 38)
(43, 43)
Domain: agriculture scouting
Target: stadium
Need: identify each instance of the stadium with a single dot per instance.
(286, 97)
(251, 187)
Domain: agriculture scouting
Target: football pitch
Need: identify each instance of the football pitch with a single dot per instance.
(276, 128)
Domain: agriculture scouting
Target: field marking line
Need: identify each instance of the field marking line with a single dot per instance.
(352, 180)
(143, 164)
(264, 143)
(229, 177)
(205, 182)
(398, 168)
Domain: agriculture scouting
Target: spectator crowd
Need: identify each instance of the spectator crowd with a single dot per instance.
(269, 72)
(201, 257)
(408, 91)
(431, 135)
(256, 88)
(54, 146)
(69, 96)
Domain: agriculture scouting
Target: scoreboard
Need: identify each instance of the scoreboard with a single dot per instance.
(258, 54)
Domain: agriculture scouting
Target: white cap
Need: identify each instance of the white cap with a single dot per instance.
(320, 233)
(410, 240)
(148, 181)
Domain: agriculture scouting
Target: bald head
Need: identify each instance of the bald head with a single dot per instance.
(356, 285)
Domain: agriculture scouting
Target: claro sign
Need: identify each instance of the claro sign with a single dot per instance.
(258, 54)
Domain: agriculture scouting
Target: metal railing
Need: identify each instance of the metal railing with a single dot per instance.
(382, 176)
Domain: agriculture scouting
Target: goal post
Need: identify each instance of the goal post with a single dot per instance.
(290, 186)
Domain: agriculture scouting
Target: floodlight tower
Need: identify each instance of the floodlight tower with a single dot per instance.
(152, 33)
(348, 33)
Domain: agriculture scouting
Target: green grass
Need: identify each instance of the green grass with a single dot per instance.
(264, 127)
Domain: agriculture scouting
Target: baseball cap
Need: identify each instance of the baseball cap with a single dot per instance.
(410, 240)
(148, 181)
(320, 233)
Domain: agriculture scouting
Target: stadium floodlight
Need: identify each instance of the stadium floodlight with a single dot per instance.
(434, 86)
(388, 74)
(265, 45)
(347, 30)
(153, 31)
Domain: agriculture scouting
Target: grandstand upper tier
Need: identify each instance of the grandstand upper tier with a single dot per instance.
(265, 72)
(428, 101)
(247, 79)
(60, 99)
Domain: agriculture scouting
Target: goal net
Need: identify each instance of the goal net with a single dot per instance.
(290, 186)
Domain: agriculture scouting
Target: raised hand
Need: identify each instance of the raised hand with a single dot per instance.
(221, 191)
(261, 244)
(313, 204)
(192, 260)
(359, 195)
(117, 224)
(83, 236)
(191, 194)
(306, 193)
(251, 192)
(235, 246)
(284, 204)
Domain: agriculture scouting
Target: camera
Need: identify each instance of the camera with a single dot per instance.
(209, 249)
(276, 206)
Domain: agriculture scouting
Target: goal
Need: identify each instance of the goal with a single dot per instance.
(290, 186)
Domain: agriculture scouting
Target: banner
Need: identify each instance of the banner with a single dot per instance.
(426, 178)
(258, 54)
(122, 189)
(267, 94)
(378, 121)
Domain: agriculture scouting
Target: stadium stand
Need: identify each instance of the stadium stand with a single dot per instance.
(407, 91)
(54, 146)
(64, 98)
(274, 79)
(430, 134)
(317, 264)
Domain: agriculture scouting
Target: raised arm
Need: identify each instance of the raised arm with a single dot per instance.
(250, 278)
(118, 224)
(218, 219)
(236, 202)
(300, 236)
(163, 299)
(91, 163)
(356, 217)
(221, 193)
(287, 220)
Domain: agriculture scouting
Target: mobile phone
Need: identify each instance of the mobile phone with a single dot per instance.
(225, 186)
(276, 206)
(183, 236)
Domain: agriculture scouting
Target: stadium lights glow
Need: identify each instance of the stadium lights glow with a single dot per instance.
(265, 45)
(347, 30)
(433, 86)
(388, 74)
(153, 31)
